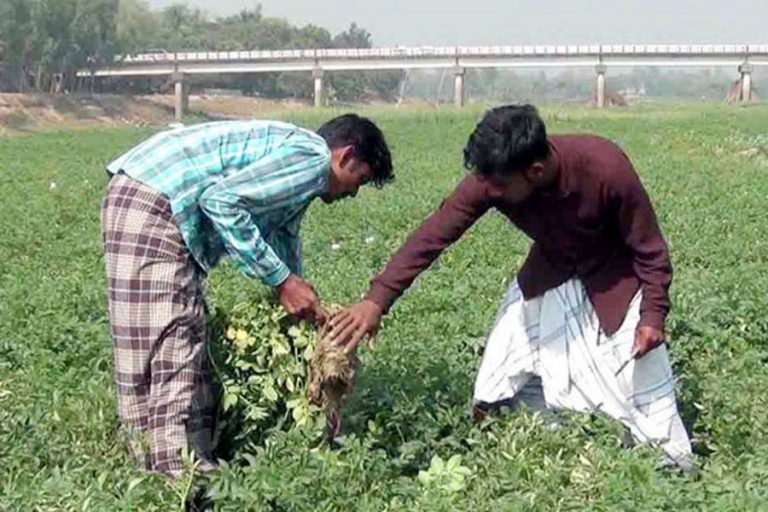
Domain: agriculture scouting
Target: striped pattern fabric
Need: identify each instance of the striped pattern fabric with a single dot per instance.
(550, 353)
(157, 318)
(236, 187)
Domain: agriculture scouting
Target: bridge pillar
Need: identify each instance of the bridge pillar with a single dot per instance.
(600, 69)
(181, 96)
(317, 75)
(746, 82)
(458, 86)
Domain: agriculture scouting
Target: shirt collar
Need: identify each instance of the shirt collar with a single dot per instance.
(323, 179)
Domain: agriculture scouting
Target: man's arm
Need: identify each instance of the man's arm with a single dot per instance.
(287, 175)
(286, 243)
(456, 214)
(641, 233)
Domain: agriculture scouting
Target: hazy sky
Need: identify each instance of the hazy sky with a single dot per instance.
(445, 22)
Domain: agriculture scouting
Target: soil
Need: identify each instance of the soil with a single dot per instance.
(44, 112)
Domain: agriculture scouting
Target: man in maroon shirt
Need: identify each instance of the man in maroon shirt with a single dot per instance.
(582, 327)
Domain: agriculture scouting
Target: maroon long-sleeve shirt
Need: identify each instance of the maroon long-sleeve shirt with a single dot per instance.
(596, 223)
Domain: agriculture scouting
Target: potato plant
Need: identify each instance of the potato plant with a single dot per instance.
(59, 447)
(261, 359)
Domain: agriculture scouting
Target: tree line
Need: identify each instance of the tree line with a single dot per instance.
(44, 42)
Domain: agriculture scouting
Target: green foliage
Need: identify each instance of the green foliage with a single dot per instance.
(40, 38)
(59, 445)
(262, 359)
(450, 476)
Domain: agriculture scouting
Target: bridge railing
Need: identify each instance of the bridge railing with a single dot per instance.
(681, 50)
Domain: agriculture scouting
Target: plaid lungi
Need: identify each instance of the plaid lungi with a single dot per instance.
(157, 315)
(550, 353)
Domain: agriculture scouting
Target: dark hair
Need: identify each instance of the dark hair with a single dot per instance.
(508, 139)
(367, 139)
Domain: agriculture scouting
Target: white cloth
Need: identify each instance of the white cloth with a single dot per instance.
(557, 337)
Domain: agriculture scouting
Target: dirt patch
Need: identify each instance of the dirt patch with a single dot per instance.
(230, 107)
(42, 112)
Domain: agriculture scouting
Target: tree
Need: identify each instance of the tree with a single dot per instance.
(136, 27)
(238, 32)
(356, 85)
(16, 43)
(181, 29)
(43, 43)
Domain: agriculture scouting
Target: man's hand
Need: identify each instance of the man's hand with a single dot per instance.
(300, 299)
(646, 339)
(351, 325)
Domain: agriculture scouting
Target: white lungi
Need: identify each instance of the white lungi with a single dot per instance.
(557, 338)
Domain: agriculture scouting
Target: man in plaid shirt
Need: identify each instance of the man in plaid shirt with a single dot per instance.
(177, 204)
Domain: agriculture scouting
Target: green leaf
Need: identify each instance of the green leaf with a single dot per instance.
(230, 400)
(453, 463)
(270, 393)
(134, 483)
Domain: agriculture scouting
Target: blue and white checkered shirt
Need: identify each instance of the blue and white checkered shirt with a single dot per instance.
(236, 187)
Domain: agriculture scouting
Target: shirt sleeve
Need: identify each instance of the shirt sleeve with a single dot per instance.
(289, 175)
(641, 233)
(456, 214)
(286, 243)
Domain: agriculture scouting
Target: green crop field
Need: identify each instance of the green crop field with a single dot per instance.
(706, 168)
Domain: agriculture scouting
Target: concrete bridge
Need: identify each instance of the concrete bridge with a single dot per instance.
(741, 57)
